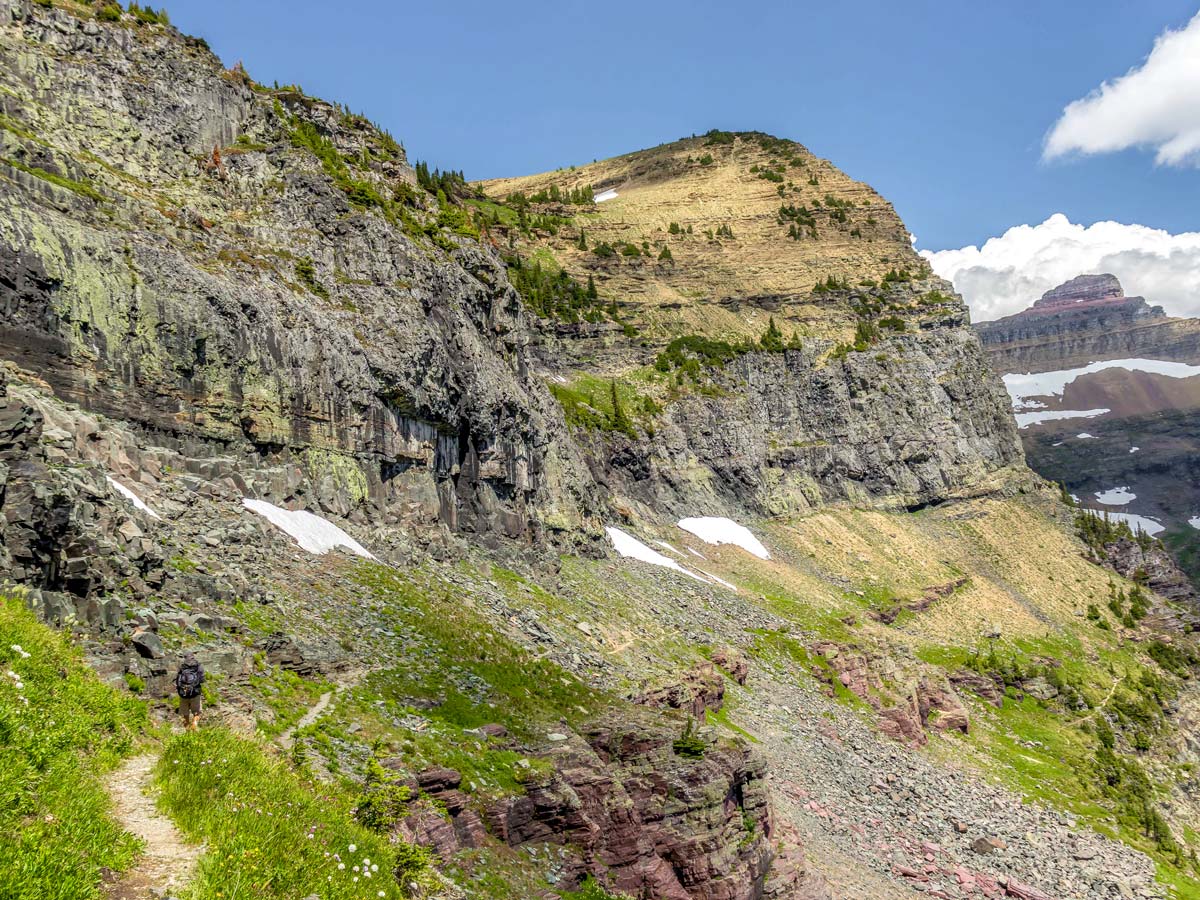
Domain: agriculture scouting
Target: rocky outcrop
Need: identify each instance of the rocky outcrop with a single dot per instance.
(1152, 565)
(917, 419)
(625, 807)
(699, 690)
(927, 704)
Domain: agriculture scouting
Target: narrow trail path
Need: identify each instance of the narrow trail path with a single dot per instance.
(1103, 704)
(343, 681)
(168, 860)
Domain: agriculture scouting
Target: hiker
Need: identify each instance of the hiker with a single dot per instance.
(188, 682)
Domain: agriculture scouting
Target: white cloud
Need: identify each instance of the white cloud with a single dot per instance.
(1009, 272)
(1156, 104)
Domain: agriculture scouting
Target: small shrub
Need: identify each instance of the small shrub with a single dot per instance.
(307, 273)
(688, 745)
(383, 801)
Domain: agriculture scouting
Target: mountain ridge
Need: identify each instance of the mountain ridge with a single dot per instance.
(214, 292)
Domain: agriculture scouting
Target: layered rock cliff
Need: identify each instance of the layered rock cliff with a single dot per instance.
(1084, 320)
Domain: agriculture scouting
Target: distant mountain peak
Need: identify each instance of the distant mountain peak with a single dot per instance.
(1082, 289)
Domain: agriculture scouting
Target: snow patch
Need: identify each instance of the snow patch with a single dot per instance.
(629, 546)
(667, 546)
(610, 194)
(1052, 384)
(1084, 436)
(1194, 521)
(1117, 496)
(1025, 419)
(133, 498)
(1137, 523)
(720, 581)
(311, 532)
(1134, 449)
(718, 530)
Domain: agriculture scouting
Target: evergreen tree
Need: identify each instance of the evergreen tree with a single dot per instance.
(773, 338)
(665, 254)
(582, 242)
(620, 420)
(591, 288)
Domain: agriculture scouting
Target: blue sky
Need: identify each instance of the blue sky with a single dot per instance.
(942, 106)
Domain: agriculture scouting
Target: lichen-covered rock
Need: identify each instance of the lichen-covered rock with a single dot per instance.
(252, 306)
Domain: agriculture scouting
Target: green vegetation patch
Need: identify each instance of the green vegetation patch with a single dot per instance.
(1081, 749)
(81, 188)
(288, 696)
(268, 832)
(462, 671)
(605, 404)
(551, 292)
(61, 730)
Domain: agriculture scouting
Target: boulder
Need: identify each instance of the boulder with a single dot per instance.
(147, 644)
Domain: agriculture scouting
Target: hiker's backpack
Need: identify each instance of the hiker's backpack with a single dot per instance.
(187, 682)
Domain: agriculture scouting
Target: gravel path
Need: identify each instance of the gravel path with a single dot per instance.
(167, 861)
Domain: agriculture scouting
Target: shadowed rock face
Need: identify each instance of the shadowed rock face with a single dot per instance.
(247, 306)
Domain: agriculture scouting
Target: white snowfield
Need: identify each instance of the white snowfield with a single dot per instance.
(1194, 521)
(1025, 419)
(138, 502)
(610, 194)
(311, 532)
(630, 547)
(1117, 496)
(1136, 522)
(1084, 436)
(1052, 384)
(719, 530)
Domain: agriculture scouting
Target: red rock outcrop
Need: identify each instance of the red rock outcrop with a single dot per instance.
(628, 809)
(699, 689)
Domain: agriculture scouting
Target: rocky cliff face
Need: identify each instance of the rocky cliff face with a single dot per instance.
(175, 255)
(918, 420)
(1088, 318)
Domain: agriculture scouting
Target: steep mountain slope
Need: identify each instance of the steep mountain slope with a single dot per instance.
(680, 196)
(365, 440)
(1110, 409)
(845, 371)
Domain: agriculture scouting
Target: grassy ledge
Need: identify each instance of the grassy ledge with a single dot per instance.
(272, 834)
(61, 730)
